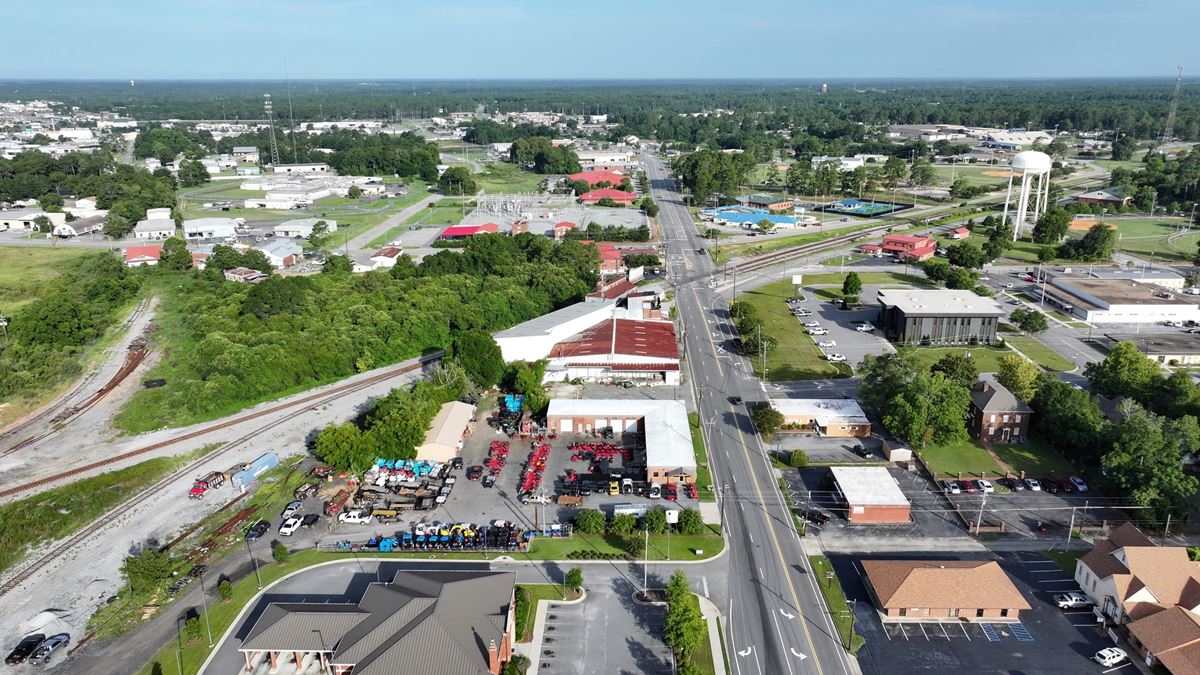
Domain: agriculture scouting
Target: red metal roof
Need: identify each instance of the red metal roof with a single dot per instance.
(905, 239)
(593, 177)
(629, 366)
(870, 247)
(961, 230)
(136, 252)
(389, 252)
(653, 339)
(469, 230)
(614, 290)
(615, 195)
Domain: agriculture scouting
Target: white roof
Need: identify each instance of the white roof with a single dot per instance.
(664, 425)
(155, 225)
(546, 323)
(824, 410)
(868, 486)
(445, 431)
(206, 223)
(23, 214)
(939, 301)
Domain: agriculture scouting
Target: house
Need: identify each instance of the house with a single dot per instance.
(871, 495)
(465, 231)
(24, 219)
(613, 290)
(959, 233)
(618, 196)
(662, 424)
(245, 275)
(1113, 196)
(593, 178)
(1149, 593)
(444, 437)
(139, 256)
(871, 249)
(953, 590)
(155, 227)
(996, 415)
(938, 316)
(80, 227)
(210, 228)
(316, 167)
(618, 349)
(302, 228)
(833, 417)
(282, 252)
(386, 256)
(765, 201)
(419, 622)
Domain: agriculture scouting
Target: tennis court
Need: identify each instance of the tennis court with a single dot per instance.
(854, 207)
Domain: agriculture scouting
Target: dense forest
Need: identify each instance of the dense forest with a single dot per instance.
(126, 191)
(235, 344)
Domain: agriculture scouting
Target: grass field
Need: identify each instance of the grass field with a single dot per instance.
(795, 356)
(1156, 237)
(1110, 164)
(1041, 354)
(1064, 559)
(965, 457)
(730, 251)
(835, 598)
(505, 178)
(703, 473)
(24, 269)
(986, 358)
(839, 260)
(868, 279)
(682, 546)
(1035, 458)
(974, 174)
(437, 215)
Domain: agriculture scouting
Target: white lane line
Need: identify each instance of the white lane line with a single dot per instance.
(923, 631)
(1129, 663)
(779, 631)
(964, 629)
(704, 584)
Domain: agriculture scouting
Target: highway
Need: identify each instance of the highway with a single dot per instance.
(776, 618)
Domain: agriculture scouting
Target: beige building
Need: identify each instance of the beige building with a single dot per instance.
(953, 590)
(444, 439)
(835, 417)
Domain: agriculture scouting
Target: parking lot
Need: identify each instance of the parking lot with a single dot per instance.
(852, 344)
(1046, 640)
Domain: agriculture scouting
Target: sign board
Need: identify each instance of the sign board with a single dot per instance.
(672, 516)
(797, 279)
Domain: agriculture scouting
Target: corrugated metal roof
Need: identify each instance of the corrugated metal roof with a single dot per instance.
(654, 339)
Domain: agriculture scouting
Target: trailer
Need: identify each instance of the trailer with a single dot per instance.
(569, 500)
(255, 469)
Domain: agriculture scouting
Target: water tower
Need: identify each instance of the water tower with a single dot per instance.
(1033, 169)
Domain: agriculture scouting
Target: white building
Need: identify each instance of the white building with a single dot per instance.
(318, 167)
(301, 228)
(154, 228)
(1118, 301)
(282, 253)
(210, 228)
(606, 158)
(670, 457)
(246, 154)
(386, 257)
(80, 227)
(535, 338)
(23, 219)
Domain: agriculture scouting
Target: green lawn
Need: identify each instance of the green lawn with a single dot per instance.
(701, 658)
(1035, 458)
(965, 457)
(986, 358)
(775, 243)
(24, 269)
(795, 356)
(868, 279)
(1024, 251)
(1156, 237)
(843, 259)
(1110, 164)
(973, 173)
(835, 599)
(682, 546)
(1064, 559)
(437, 215)
(528, 597)
(1041, 354)
(505, 178)
(703, 474)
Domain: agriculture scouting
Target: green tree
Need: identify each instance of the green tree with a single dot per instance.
(797, 459)
(766, 419)
(574, 579)
(479, 354)
(765, 225)
(967, 255)
(344, 446)
(337, 264)
(280, 553)
(649, 207)
(922, 173)
(959, 368)
(43, 224)
(690, 522)
(962, 278)
(1068, 418)
(146, 568)
(622, 524)
(175, 255)
(192, 629)
(225, 590)
(1123, 148)
(1096, 245)
(1029, 320)
(852, 285)
(932, 409)
(116, 227)
(1052, 226)
(634, 546)
(655, 521)
(1146, 459)
(458, 180)
(589, 521)
(1019, 376)
(884, 377)
(320, 235)
(1125, 371)
(1047, 253)
(192, 174)
(51, 202)
(684, 624)
(354, 192)
(894, 171)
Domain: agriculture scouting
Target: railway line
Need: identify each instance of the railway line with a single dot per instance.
(305, 404)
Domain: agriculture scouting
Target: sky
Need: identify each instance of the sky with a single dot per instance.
(574, 39)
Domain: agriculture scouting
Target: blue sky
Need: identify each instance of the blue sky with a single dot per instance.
(401, 39)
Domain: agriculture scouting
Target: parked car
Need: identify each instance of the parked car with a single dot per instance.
(488, 481)
(1066, 486)
(814, 516)
(1078, 483)
(291, 509)
(818, 331)
(1050, 485)
(1033, 484)
(827, 343)
(735, 400)
(355, 517)
(24, 649)
(1014, 484)
(1072, 600)
(835, 358)
(968, 486)
(861, 451)
(47, 648)
(984, 486)
(1110, 656)
(474, 472)
(671, 493)
(456, 463)
(310, 519)
(811, 324)
(655, 491)
(289, 526)
(865, 328)
(257, 530)
(952, 487)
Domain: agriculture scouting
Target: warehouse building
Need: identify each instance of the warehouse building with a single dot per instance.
(954, 590)
(210, 228)
(1116, 300)
(302, 228)
(444, 438)
(871, 495)
(618, 349)
(663, 424)
(835, 417)
(938, 316)
(535, 338)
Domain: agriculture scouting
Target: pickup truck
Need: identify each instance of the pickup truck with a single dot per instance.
(1072, 600)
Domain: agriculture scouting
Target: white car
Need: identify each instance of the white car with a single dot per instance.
(818, 331)
(984, 486)
(835, 358)
(1072, 600)
(354, 517)
(1033, 484)
(865, 328)
(289, 526)
(952, 487)
(1110, 656)
(812, 324)
(827, 343)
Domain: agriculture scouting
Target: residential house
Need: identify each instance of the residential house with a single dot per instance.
(156, 225)
(833, 417)
(561, 229)
(959, 233)
(139, 256)
(1150, 593)
(996, 415)
(955, 590)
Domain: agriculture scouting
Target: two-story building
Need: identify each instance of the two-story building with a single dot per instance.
(997, 416)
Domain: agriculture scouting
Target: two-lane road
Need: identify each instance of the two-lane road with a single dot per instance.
(776, 618)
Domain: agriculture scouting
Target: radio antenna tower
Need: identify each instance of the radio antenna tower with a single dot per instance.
(271, 123)
(1169, 128)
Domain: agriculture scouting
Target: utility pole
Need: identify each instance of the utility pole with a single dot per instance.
(979, 519)
(255, 561)
(646, 564)
(204, 602)
(1071, 528)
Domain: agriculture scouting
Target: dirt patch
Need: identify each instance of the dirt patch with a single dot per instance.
(999, 174)
(1087, 223)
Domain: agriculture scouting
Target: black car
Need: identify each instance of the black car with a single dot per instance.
(814, 516)
(456, 463)
(735, 400)
(861, 451)
(197, 570)
(1050, 485)
(310, 519)
(489, 480)
(257, 530)
(24, 648)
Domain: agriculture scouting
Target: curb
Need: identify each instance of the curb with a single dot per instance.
(534, 646)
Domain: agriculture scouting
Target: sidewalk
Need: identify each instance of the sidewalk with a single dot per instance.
(711, 616)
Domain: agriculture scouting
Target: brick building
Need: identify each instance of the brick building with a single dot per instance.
(996, 415)
(957, 590)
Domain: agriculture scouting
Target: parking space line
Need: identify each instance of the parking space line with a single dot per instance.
(964, 630)
(923, 631)
(943, 627)
(1127, 663)
(1056, 581)
(903, 632)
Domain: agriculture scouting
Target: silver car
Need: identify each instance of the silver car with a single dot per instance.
(48, 647)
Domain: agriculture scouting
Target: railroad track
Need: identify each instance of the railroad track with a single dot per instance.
(79, 538)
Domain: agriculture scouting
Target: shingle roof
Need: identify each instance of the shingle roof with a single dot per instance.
(1174, 629)
(963, 584)
(989, 395)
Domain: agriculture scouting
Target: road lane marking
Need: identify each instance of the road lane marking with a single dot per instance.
(779, 631)
(746, 651)
(785, 613)
(704, 584)
(799, 655)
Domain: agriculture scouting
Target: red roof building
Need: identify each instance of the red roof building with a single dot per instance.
(561, 229)
(871, 249)
(618, 196)
(137, 256)
(464, 231)
(959, 233)
(899, 243)
(919, 254)
(595, 177)
(619, 288)
(634, 340)
(199, 260)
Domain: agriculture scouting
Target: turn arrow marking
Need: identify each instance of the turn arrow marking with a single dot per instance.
(747, 652)
(783, 612)
(798, 654)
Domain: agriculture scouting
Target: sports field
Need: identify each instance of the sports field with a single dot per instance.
(1158, 237)
(975, 174)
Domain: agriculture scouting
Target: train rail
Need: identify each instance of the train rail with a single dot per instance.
(75, 541)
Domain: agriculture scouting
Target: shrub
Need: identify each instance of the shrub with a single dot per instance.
(280, 553)
(622, 524)
(634, 546)
(797, 459)
(225, 589)
(589, 521)
(191, 628)
(574, 578)
(690, 522)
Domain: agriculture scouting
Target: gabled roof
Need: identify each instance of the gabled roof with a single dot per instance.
(651, 339)
(143, 252)
(1171, 630)
(988, 395)
(389, 252)
(291, 626)
(1148, 578)
(593, 177)
(969, 584)
(613, 194)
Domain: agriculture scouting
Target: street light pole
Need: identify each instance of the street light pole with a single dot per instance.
(204, 603)
(979, 519)
(255, 561)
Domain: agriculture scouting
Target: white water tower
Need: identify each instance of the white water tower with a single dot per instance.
(1033, 196)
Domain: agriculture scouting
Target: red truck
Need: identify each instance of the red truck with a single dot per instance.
(208, 482)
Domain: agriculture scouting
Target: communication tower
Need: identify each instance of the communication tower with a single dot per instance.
(1169, 127)
(271, 123)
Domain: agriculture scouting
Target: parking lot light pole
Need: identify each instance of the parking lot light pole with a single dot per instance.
(204, 603)
(979, 519)
(255, 561)
(646, 565)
